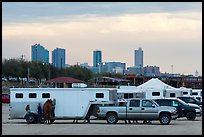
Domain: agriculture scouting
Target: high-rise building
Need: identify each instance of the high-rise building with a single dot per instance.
(39, 53)
(97, 58)
(139, 58)
(58, 57)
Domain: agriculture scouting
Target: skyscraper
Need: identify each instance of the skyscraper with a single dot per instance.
(97, 58)
(58, 57)
(39, 53)
(139, 58)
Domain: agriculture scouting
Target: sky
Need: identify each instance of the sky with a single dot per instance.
(169, 33)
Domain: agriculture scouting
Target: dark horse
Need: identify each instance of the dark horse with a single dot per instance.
(47, 110)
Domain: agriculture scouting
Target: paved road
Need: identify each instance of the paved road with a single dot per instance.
(180, 126)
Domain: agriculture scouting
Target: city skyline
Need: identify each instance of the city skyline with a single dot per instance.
(169, 33)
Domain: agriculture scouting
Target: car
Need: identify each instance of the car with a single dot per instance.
(183, 109)
(5, 98)
(191, 100)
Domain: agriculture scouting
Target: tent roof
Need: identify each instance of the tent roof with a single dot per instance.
(155, 83)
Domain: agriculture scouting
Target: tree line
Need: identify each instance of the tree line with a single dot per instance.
(39, 70)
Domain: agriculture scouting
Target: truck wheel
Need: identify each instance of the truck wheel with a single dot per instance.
(165, 119)
(191, 116)
(111, 118)
(31, 118)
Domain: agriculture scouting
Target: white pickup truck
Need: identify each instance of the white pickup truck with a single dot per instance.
(137, 109)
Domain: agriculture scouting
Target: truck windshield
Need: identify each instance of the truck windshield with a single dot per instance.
(155, 103)
(182, 102)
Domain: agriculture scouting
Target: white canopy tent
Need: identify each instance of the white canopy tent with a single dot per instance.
(155, 88)
(155, 83)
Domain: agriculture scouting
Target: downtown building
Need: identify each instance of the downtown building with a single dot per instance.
(97, 58)
(58, 58)
(39, 53)
(139, 58)
(137, 69)
(112, 67)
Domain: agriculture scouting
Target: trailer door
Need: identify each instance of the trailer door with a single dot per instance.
(82, 104)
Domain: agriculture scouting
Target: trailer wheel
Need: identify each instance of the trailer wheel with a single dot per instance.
(31, 118)
(111, 118)
(41, 119)
(165, 119)
(191, 116)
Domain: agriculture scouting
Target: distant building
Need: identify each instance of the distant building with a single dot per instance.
(39, 53)
(108, 82)
(85, 64)
(151, 71)
(133, 70)
(93, 69)
(97, 57)
(139, 58)
(146, 71)
(62, 82)
(58, 57)
(112, 67)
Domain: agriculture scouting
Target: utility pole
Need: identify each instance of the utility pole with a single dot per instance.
(28, 77)
(49, 73)
(172, 69)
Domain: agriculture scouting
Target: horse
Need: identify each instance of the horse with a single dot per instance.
(47, 110)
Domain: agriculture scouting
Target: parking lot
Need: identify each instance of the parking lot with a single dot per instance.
(180, 126)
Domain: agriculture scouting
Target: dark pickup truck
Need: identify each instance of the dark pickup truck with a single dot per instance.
(137, 109)
(183, 109)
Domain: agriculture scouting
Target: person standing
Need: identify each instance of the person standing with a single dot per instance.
(39, 112)
(53, 107)
(27, 108)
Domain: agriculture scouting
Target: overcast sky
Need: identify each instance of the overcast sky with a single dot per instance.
(170, 33)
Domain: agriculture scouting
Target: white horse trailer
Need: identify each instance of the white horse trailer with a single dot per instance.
(153, 93)
(133, 92)
(186, 92)
(71, 103)
(126, 93)
(197, 93)
(173, 93)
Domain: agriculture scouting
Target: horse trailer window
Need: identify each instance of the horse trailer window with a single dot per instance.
(99, 95)
(32, 95)
(155, 93)
(172, 94)
(45, 95)
(130, 95)
(19, 95)
(185, 93)
(194, 93)
(126, 95)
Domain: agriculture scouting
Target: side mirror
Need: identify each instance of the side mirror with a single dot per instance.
(153, 105)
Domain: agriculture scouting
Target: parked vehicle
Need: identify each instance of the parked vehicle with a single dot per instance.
(71, 103)
(137, 109)
(191, 100)
(183, 109)
(5, 98)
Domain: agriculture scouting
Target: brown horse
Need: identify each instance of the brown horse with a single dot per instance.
(47, 110)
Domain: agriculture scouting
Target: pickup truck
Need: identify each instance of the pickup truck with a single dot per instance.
(137, 109)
